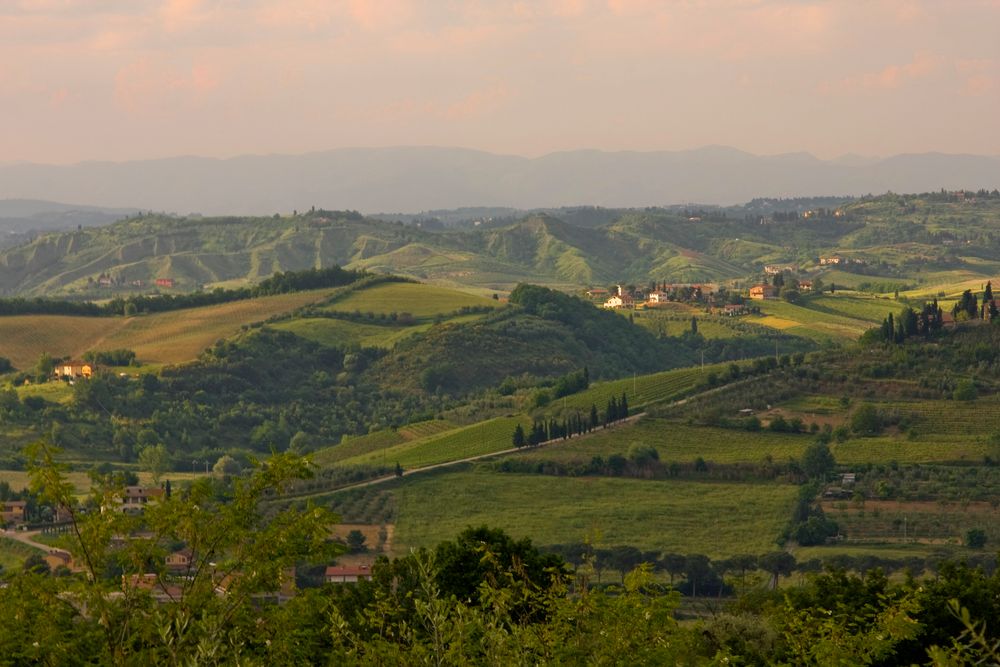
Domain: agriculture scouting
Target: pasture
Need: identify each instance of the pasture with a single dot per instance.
(717, 519)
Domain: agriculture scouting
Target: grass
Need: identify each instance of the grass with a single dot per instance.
(666, 325)
(718, 520)
(334, 332)
(13, 553)
(424, 302)
(160, 338)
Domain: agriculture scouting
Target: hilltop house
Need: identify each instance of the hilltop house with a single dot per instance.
(347, 574)
(74, 369)
(763, 291)
(657, 298)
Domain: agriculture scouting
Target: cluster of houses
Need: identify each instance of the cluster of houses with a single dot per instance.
(640, 299)
(108, 280)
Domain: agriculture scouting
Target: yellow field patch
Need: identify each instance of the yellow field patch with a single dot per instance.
(776, 322)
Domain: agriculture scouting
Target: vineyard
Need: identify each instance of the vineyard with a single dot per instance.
(717, 519)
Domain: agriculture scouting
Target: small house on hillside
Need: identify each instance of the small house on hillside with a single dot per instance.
(805, 285)
(165, 282)
(74, 369)
(347, 574)
(597, 294)
(763, 291)
(657, 298)
(12, 511)
(179, 561)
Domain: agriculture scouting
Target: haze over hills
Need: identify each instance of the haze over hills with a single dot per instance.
(414, 179)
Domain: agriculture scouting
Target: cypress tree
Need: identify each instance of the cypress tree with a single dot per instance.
(623, 407)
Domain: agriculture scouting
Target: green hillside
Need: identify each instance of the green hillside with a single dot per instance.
(904, 242)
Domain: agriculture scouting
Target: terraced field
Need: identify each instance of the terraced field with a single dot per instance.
(716, 519)
(164, 338)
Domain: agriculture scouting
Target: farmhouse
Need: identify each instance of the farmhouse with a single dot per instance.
(805, 285)
(763, 291)
(347, 574)
(620, 301)
(74, 369)
(597, 293)
(135, 498)
(179, 561)
(657, 298)
(12, 511)
(164, 282)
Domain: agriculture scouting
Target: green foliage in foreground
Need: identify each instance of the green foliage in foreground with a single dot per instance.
(482, 599)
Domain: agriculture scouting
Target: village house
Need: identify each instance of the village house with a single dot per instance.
(179, 561)
(12, 511)
(836, 259)
(763, 291)
(805, 285)
(347, 574)
(657, 298)
(597, 294)
(775, 269)
(164, 282)
(135, 498)
(620, 301)
(734, 310)
(74, 369)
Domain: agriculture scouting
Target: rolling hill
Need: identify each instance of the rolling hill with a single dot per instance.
(900, 242)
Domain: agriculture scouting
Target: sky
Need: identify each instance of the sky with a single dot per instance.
(142, 79)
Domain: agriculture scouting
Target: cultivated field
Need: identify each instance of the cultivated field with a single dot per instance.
(161, 338)
(689, 517)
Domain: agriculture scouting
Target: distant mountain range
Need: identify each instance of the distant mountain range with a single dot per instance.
(22, 219)
(414, 179)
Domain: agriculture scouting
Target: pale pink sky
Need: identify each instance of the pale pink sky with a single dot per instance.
(129, 79)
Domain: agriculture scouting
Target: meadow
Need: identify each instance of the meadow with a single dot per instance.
(717, 519)
(824, 317)
(380, 440)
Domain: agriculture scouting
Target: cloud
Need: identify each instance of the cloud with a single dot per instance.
(922, 66)
(979, 76)
(149, 86)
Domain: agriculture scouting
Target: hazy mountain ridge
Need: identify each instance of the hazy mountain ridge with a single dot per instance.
(428, 178)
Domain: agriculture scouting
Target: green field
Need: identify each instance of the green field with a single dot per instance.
(483, 438)
(13, 553)
(826, 317)
(678, 442)
(718, 520)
